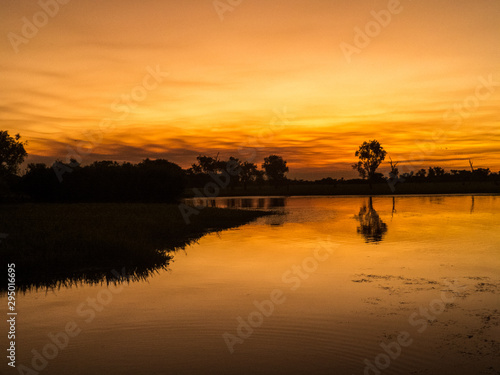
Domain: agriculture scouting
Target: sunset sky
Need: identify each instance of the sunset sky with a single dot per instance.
(266, 77)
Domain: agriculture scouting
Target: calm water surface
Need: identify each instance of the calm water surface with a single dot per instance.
(345, 274)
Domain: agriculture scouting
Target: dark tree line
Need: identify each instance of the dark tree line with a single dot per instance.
(430, 175)
(273, 171)
(438, 174)
(371, 154)
(106, 181)
(163, 181)
(148, 181)
(109, 181)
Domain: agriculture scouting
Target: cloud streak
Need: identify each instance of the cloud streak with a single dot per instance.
(226, 78)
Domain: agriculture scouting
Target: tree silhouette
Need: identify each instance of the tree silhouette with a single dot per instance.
(107, 181)
(435, 172)
(482, 172)
(233, 164)
(40, 183)
(421, 173)
(207, 164)
(371, 226)
(12, 153)
(248, 173)
(394, 169)
(275, 168)
(371, 154)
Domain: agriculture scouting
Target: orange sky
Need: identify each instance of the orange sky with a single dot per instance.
(271, 77)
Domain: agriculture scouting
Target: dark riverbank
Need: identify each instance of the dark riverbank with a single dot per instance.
(424, 188)
(54, 244)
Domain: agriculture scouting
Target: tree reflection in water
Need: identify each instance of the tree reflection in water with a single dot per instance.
(371, 227)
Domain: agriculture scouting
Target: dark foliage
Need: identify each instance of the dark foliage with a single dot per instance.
(106, 181)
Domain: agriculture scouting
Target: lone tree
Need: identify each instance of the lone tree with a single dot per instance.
(12, 153)
(394, 169)
(275, 168)
(371, 154)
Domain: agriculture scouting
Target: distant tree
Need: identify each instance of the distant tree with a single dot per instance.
(208, 164)
(431, 173)
(107, 181)
(461, 175)
(12, 153)
(481, 172)
(371, 154)
(275, 169)
(434, 172)
(259, 177)
(40, 183)
(248, 173)
(394, 169)
(233, 164)
(438, 171)
(421, 173)
(208, 167)
(104, 164)
(159, 180)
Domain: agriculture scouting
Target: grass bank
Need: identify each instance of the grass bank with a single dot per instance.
(54, 244)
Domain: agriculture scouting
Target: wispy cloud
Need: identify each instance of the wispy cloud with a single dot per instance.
(227, 77)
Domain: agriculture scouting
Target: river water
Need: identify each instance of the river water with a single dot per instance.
(328, 285)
